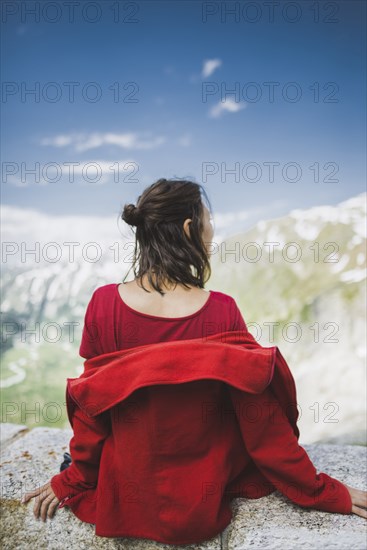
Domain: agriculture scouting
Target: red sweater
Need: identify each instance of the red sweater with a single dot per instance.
(167, 434)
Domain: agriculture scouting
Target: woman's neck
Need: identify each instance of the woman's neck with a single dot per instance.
(166, 285)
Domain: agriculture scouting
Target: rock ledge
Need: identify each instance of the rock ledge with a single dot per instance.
(29, 458)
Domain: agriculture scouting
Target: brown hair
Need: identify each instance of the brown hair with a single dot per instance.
(161, 244)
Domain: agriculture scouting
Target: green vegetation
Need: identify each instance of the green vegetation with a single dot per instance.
(39, 400)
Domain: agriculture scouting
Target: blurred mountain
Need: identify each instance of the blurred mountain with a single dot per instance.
(299, 281)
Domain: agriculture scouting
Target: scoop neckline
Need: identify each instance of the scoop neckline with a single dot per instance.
(157, 316)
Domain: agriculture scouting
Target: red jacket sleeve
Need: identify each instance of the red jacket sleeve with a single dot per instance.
(85, 449)
(271, 443)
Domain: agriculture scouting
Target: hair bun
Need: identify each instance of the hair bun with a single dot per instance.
(131, 215)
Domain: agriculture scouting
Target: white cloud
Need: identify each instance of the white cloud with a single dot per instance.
(99, 172)
(30, 224)
(84, 142)
(86, 172)
(230, 223)
(228, 105)
(225, 220)
(185, 140)
(58, 141)
(209, 66)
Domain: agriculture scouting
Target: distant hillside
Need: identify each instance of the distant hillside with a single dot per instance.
(322, 295)
(318, 301)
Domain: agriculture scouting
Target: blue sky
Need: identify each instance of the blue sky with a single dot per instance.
(168, 59)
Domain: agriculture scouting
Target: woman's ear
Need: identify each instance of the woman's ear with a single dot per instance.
(186, 227)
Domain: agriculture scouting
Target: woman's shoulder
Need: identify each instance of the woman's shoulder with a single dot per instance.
(104, 291)
(227, 304)
(102, 300)
(222, 297)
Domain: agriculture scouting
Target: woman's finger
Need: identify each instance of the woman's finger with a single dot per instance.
(360, 498)
(39, 499)
(31, 494)
(34, 493)
(37, 506)
(359, 511)
(44, 506)
(53, 507)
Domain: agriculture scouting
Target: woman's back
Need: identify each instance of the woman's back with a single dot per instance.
(179, 302)
(112, 324)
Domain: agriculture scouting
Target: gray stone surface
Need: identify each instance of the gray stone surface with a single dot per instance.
(275, 522)
(357, 437)
(271, 522)
(9, 432)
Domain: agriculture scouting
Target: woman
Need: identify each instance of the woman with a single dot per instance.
(166, 300)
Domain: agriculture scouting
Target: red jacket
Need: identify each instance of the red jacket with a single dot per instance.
(166, 435)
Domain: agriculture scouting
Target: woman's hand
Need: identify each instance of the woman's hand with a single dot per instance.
(359, 498)
(46, 501)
